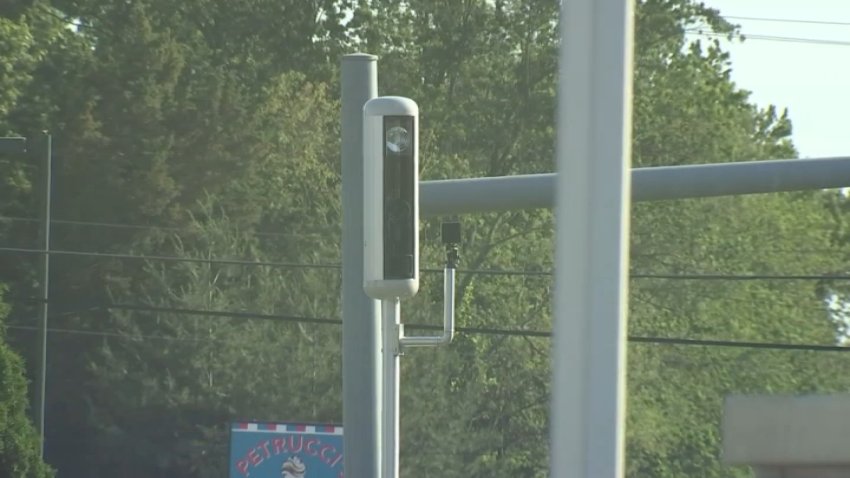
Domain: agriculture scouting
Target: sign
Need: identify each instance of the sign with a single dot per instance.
(285, 450)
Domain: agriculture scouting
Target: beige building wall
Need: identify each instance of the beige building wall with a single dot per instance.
(806, 436)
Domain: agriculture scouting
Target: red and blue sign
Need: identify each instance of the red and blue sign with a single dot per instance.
(285, 450)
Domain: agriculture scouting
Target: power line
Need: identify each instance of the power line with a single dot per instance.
(471, 330)
(778, 38)
(814, 41)
(154, 227)
(743, 277)
(311, 233)
(109, 255)
(786, 20)
(223, 314)
(113, 334)
(283, 234)
(484, 272)
(229, 314)
(707, 276)
(740, 344)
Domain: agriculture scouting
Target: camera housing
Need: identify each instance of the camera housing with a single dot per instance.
(391, 197)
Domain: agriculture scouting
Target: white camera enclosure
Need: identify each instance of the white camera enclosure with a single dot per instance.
(391, 197)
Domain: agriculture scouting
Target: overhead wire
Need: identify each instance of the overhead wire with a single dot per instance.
(461, 330)
(217, 261)
(314, 232)
(57, 330)
(786, 20)
(778, 38)
(707, 276)
(154, 227)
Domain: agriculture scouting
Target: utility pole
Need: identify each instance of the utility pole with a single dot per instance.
(45, 288)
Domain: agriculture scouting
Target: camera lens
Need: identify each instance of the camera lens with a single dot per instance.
(398, 139)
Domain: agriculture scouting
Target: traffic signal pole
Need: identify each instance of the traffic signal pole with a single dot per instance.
(530, 191)
(361, 327)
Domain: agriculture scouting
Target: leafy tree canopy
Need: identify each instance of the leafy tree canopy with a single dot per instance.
(19, 443)
(207, 130)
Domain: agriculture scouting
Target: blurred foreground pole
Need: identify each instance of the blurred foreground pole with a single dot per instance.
(361, 327)
(592, 207)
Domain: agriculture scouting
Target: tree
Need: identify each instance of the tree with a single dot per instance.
(187, 372)
(192, 116)
(152, 108)
(19, 442)
(167, 385)
(692, 113)
(182, 378)
(28, 36)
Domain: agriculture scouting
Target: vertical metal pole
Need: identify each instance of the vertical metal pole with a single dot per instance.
(392, 377)
(592, 206)
(45, 289)
(361, 366)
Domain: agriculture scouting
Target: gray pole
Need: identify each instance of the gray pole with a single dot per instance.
(391, 319)
(592, 240)
(361, 327)
(45, 289)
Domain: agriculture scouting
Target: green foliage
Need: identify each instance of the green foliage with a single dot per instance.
(19, 442)
(218, 120)
(190, 375)
(26, 40)
(678, 389)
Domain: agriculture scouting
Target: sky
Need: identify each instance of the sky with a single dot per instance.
(801, 62)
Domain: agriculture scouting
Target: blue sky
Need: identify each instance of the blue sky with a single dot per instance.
(798, 65)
